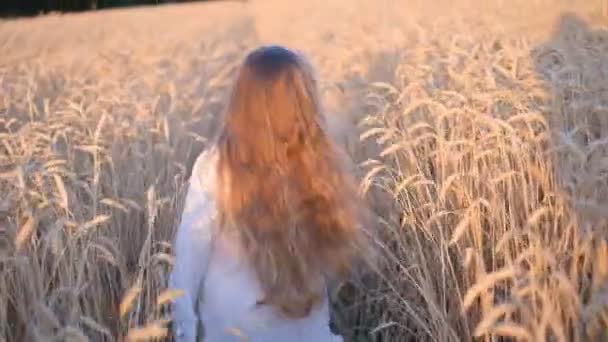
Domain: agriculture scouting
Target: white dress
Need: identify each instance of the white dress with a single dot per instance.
(216, 279)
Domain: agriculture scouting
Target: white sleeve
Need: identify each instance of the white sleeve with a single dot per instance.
(192, 249)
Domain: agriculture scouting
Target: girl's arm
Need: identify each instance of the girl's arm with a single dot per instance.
(192, 249)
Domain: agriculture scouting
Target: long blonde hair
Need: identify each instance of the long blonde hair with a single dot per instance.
(282, 183)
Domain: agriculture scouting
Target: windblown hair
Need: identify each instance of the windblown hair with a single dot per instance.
(283, 185)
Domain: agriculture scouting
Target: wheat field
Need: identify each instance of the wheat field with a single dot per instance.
(480, 131)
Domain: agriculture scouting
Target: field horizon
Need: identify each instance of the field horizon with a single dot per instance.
(479, 130)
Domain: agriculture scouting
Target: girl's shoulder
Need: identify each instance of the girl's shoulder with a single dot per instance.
(204, 168)
(201, 186)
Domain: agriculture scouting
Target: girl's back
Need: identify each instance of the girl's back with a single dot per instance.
(228, 308)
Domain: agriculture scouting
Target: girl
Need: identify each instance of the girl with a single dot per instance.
(270, 216)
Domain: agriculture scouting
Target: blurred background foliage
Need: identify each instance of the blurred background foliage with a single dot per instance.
(12, 8)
